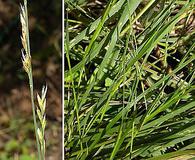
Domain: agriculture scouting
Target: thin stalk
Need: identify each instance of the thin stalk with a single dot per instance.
(76, 109)
(43, 143)
(33, 110)
(31, 81)
(137, 17)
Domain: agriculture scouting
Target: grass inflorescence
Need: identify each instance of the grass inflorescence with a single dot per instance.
(27, 65)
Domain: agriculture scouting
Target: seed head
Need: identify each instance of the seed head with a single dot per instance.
(23, 20)
(26, 60)
(42, 118)
(42, 105)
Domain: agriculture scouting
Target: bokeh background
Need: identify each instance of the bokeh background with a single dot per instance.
(17, 139)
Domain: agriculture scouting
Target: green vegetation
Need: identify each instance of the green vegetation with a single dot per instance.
(129, 79)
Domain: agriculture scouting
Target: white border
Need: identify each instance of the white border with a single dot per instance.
(63, 79)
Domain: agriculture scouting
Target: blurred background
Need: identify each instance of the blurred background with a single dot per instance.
(17, 139)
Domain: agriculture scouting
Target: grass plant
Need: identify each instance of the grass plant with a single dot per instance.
(27, 65)
(129, 79)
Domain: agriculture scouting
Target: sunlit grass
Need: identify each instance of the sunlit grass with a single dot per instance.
(127, 94)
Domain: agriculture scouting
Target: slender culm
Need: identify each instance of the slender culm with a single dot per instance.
(27, 65)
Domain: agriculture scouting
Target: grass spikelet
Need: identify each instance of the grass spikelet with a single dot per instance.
(42, 118)
(26, 60)
(24, 27)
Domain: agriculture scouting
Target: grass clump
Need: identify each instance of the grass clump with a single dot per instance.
(27, 65)
(129, 79)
